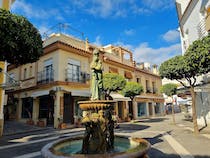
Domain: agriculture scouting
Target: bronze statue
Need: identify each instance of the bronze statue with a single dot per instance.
(96, 81)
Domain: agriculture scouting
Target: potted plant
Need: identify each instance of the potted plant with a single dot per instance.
(29, 121)
(61, 124)
(41, 123)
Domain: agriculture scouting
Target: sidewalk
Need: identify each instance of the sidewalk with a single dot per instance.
(197, 145)
(187, 124)
(180, 136)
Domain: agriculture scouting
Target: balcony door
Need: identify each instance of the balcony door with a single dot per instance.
(73, 70)
(48, 70)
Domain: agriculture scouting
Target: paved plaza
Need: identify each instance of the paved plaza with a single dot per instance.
(167, 140)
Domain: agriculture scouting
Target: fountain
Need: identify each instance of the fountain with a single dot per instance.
(98, 139)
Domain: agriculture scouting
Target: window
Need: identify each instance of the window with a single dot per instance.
(27, 107)
(157, 108)
(30, 71)
(25, 73)
(147, 86)
(154, 87)
(73, 70)
(11, 77)
(141, 109)
(138, 80)
(48, 69)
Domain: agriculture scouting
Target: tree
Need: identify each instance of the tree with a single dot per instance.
(196, 61)
(113, 82)
(131, 90)
(170, 89)
(21, 42)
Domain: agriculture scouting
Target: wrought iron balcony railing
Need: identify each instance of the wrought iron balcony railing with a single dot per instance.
(45, 76)
(77, 76)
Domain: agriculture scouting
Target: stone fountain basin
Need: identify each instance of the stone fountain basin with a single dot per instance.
(70, 148)
(97, 104)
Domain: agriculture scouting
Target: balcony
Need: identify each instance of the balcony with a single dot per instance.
(118, 59)
(148, 90)
(46, 76)
(154, 90)
(77, 76)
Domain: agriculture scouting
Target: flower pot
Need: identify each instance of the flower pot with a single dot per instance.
(62, 126)
(41, 123)
(30, 122)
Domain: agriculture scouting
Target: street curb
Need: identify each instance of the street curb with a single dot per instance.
(27, 131)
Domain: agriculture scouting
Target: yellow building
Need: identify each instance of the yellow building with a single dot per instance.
(52, 86)
(6, 4)
(150, 103)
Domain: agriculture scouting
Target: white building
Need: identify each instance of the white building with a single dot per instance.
(194, 23)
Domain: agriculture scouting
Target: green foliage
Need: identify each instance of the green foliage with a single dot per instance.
(113, 82)
(196, 61)
(198, 57)
(169, 89)
(173, 68)
(132, 89)
(21, 42)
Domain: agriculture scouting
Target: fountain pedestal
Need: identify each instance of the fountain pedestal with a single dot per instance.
(99, 125)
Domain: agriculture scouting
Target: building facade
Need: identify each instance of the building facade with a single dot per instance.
(51, 87)
(194, 23)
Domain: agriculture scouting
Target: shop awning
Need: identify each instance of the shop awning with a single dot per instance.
(143, 98)
(83, 93)
(119, 97)
(128, 75)
(113, 70)
(39, 93)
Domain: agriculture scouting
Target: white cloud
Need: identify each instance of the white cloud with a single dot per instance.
(30, 11)
(140, 10)
(98, 41)
(158, 4)
(144, 53)
(129, 32)
(101, 7)
(109, 8)
(171, 36)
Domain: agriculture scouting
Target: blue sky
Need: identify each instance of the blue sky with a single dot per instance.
(147, 27)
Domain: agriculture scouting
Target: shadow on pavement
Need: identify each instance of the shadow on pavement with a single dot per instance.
(151, 120)
(131, 127)
(155, 140)
(154, 153)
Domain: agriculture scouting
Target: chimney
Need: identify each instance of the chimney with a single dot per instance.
(154, 69)
(86, 44)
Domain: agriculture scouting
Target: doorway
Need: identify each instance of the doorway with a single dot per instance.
(46, 109)
(68, 114)
(150, 109)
